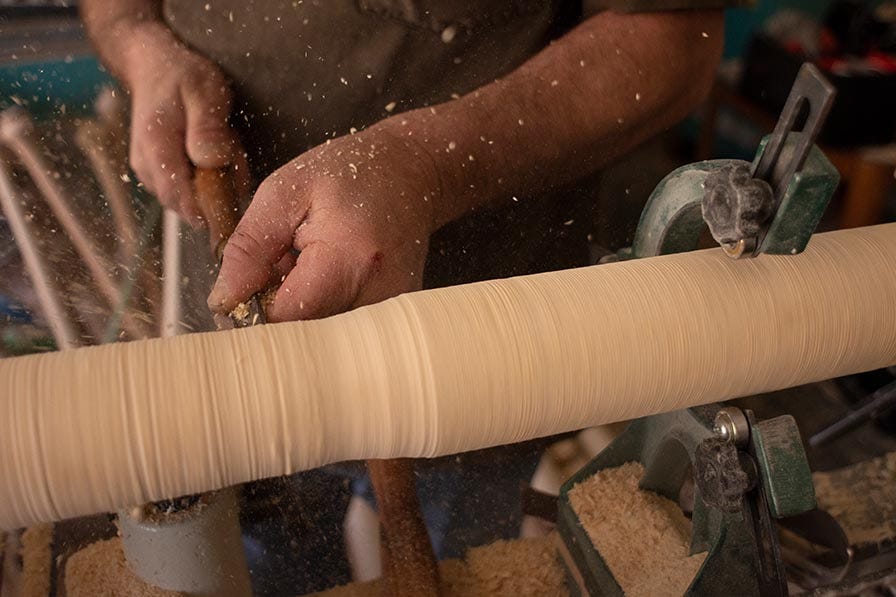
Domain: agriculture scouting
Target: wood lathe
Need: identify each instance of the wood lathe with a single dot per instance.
(446, 371)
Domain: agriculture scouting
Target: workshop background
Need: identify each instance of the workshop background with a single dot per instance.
(52, 85)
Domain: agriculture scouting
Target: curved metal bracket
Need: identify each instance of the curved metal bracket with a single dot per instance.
(672, 220)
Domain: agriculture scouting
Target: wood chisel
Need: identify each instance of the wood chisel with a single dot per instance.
(217, 197)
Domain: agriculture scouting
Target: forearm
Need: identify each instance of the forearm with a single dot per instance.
(594, 94)
(119, 29)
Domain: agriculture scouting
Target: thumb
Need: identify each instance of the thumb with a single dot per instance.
(254, 251)
(211, 142)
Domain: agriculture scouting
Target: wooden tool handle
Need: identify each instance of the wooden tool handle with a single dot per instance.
(409, 565)
(217, 198)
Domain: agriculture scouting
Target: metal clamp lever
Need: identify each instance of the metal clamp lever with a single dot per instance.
(742, 201)
(810, 89)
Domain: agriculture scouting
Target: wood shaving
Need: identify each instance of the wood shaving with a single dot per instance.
(517, 568)
(240, 312)
(101, 570)
(37, 550)
(521, 567)
(643, 538)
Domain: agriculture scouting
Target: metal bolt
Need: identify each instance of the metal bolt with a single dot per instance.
(731, 425)
(745, 247)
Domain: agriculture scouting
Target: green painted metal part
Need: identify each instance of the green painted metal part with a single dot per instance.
(782, 463)
(665, 445)
(672, 220)
(805, 201)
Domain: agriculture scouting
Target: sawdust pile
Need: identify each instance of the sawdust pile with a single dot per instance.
(518, 568)
(862, 498)
(522, 567)
(643, 538)
(37, 545)
(100, 570)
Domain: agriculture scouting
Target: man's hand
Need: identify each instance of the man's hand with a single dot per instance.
(358, 210)
(180, 106)
(180, 100)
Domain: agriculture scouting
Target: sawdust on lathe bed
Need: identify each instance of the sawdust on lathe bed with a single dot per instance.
(37, 552)
(644, 538)
(517, 568)
(100, 570)
(520, 568)
(862, 498)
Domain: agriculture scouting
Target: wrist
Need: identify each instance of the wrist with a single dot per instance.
(447, 153)
(416, 163)
(144, 45)
(126, 43)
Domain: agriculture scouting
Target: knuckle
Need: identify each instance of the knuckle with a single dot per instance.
(244, 245)
(362, 265)
(270, 193)
(266, 189)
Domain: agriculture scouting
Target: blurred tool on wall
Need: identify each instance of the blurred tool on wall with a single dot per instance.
(854, 44)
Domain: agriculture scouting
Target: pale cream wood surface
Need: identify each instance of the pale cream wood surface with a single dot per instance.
(437, 372)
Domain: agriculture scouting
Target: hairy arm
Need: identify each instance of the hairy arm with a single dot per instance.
(593, 95)
(359, 209)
